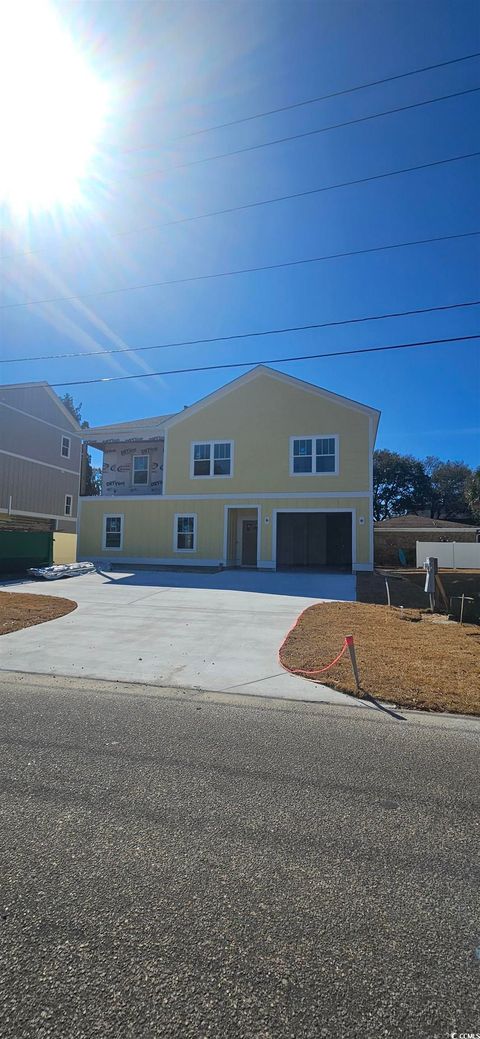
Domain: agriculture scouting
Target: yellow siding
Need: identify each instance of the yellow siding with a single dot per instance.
(149, 527)
(260, 416)
(64, 548)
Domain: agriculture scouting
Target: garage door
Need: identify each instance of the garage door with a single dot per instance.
(314, 539)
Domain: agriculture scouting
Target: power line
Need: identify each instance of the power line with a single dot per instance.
(326, 97)
(250, 205)
(246, 335)
(241, 270)
(307, 133)
(271, 360)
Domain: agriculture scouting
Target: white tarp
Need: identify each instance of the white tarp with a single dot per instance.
(53, 573)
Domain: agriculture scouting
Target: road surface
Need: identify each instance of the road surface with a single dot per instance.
(193, 865)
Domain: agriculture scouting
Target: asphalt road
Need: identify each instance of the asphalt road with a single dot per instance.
(190, 866)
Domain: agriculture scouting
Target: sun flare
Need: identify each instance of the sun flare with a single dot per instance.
(52, 111)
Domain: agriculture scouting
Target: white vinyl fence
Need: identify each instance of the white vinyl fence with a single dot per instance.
(453, 555)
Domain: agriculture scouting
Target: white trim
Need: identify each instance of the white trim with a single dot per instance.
(184, 515)
(36, 418)
(164, 481)
(332, 510)
(252, 496)
(231, 508)
(39, 515)
(211, 444)
(63, 437)
(371, 439)
(290, 380)
(107, 516)
(312, 437)
(133, 470)
(71, 504)
(36, 461)
(172, 561)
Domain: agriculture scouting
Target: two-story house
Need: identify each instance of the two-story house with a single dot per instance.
(267, 472)
(40, 454)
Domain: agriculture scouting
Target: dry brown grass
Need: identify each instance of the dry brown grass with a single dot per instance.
(413, 662)
(22, 611)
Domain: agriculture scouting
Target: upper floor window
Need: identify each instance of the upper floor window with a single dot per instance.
(313, 455)
(65, 447)
(140, 470)
(68, 504)
(212, 458)
(113, 532)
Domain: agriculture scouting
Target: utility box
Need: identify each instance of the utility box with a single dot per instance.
(431, 567)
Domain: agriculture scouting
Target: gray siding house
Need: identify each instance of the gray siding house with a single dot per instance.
(40, 459)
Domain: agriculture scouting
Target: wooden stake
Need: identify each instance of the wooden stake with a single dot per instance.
(353, 660)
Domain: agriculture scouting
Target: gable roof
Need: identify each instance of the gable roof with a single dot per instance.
(51, 393)
(137, 429)
(262, 369)
(414, 522)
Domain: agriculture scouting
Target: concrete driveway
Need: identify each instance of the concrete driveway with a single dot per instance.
(216, 631)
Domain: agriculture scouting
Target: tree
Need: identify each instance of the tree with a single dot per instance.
(91, 480)
(74, 409)
(449, 482)
(400, 484)
(473, 494)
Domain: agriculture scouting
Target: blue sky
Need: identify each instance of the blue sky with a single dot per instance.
(175, 68)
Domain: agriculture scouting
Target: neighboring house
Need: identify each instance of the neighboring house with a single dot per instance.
(402, 532)
(266, 472)
(40, 448)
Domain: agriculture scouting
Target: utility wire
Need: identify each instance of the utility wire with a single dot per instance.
(242, 270)
(326, 97)
(306, 133)
(274, 111)
(271, 360)
(241, 208)
(246, 335)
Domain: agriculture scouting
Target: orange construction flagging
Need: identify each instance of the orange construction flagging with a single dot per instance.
(317, 670)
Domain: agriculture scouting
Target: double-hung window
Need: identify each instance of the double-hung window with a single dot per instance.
(185, 533)
(140, 470)
(113, 532)
(314, 455)
(212, 458)
(65, 447)
(68, 504)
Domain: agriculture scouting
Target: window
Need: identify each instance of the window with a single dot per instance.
(325, 455)
(65, 447)
(213, 458)
(185, 533)
(113, 535)
(314, 455)
(140, 470)
(201, 459)
(68, 504)
(302, 456)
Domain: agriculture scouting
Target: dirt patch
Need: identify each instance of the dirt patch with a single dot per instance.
(22, 611)
(406, 589)
(403, 592)
(412, 662)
